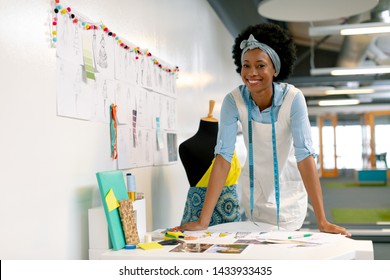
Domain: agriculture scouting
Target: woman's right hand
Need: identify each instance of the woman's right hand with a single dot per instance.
(192, 226)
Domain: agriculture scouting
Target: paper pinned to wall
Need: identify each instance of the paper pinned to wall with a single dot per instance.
(98, 68)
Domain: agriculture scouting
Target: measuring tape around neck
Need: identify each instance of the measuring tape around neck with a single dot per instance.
(275, 161)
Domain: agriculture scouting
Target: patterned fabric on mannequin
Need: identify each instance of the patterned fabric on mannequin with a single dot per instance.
(227, 208)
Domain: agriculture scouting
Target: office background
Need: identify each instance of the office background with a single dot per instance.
(48, 163)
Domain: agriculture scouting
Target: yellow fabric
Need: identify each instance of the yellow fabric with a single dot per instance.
(232, 178)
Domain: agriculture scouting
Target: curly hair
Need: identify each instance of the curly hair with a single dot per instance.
(274, 36)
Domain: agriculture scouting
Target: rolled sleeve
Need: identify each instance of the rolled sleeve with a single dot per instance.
(227, 132)
(301, 129)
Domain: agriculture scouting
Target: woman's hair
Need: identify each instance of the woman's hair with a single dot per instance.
(274, 36)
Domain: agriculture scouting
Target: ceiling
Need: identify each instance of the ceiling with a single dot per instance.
(326, 51)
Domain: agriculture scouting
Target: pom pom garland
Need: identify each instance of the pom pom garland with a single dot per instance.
(91, 26)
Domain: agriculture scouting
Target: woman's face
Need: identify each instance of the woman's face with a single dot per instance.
(257, 70)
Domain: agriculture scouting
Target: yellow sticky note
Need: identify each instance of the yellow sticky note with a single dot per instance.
(150, 245)
(112, 202)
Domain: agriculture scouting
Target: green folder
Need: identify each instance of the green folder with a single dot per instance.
(113, 183)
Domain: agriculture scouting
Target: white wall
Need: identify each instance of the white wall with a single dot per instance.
(48, 163)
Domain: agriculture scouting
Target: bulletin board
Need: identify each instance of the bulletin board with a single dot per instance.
(97, 68)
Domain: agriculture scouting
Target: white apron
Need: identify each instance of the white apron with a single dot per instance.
(293, 196)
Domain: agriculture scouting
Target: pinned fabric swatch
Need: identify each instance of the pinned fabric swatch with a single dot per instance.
(112, 202)
(114, 131)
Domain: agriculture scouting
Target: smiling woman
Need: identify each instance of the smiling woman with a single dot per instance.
(277, 134)
(279, 43)
(257, 73)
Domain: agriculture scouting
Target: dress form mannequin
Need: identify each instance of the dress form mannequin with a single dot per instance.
(197, 156)
(197, 152)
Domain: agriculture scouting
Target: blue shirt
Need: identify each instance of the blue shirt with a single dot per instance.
(299, 120)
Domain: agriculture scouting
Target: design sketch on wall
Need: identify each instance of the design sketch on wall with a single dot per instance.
(103, 98)
(103, 53)
(96, 68)
(102, 60)
(70, 37)
(73, 98)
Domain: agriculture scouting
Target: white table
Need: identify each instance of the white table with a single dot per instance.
(341, 249)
